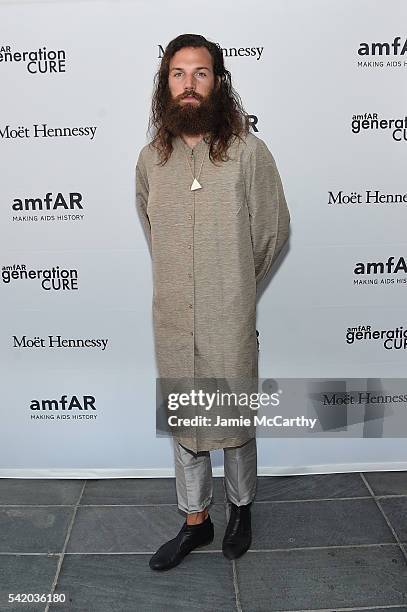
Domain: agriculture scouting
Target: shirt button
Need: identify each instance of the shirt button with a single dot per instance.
(190, 246)
(189, 275)
(189, 216)
(190, 305)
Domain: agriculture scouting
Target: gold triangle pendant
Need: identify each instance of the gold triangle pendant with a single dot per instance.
(195, 185)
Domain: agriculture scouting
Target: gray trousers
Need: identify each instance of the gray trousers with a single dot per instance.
(193, 476)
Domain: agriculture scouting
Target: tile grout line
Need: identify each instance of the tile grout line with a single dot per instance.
(335, 546)
(367, 485)
(236, 585)
(359, 609)
(390, 526)
(317, 499)
(274, 501)
(62, 553)
(203, 552)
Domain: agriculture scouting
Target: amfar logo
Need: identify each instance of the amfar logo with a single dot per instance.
(379, 49)
(397, 47)
(253, 121)
(50, 202)
(55, 279)
(391, 339)
(370, 121)
(40, 61)
(368, 197)
(59, 342)
(66, 405)
(43, 131)
(230, 52)
(375, 268)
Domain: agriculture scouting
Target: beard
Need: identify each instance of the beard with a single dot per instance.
(190, 118)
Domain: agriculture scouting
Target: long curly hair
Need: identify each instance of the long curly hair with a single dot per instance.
(232, 121)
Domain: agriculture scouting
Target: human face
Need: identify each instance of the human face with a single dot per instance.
(191, 72)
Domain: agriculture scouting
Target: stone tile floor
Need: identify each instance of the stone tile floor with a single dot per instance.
(320, 542)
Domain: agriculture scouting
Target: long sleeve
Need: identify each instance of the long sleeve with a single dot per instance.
(268, 211)
(142, 199)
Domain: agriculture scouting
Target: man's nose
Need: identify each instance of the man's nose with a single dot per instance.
(189, 82)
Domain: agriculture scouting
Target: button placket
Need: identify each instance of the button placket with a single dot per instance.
(191, 217)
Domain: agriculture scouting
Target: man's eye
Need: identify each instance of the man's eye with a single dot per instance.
(202, 74)
(176, 74)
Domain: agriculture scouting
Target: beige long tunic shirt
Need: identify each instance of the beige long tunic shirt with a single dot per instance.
(210, 248)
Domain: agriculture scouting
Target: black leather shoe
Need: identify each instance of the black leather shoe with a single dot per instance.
(172, 552)
(238, 534)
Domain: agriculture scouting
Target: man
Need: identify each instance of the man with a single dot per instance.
(213, 208)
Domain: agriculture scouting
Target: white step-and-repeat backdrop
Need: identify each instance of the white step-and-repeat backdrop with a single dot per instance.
(325, 83)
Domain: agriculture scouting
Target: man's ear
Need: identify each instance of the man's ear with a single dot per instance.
(217, 82)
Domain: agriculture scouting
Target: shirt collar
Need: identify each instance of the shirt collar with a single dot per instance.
(179, 143)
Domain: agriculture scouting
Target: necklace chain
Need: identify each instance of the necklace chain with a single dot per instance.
(195, 183)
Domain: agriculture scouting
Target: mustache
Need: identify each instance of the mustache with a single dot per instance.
(189, 94)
